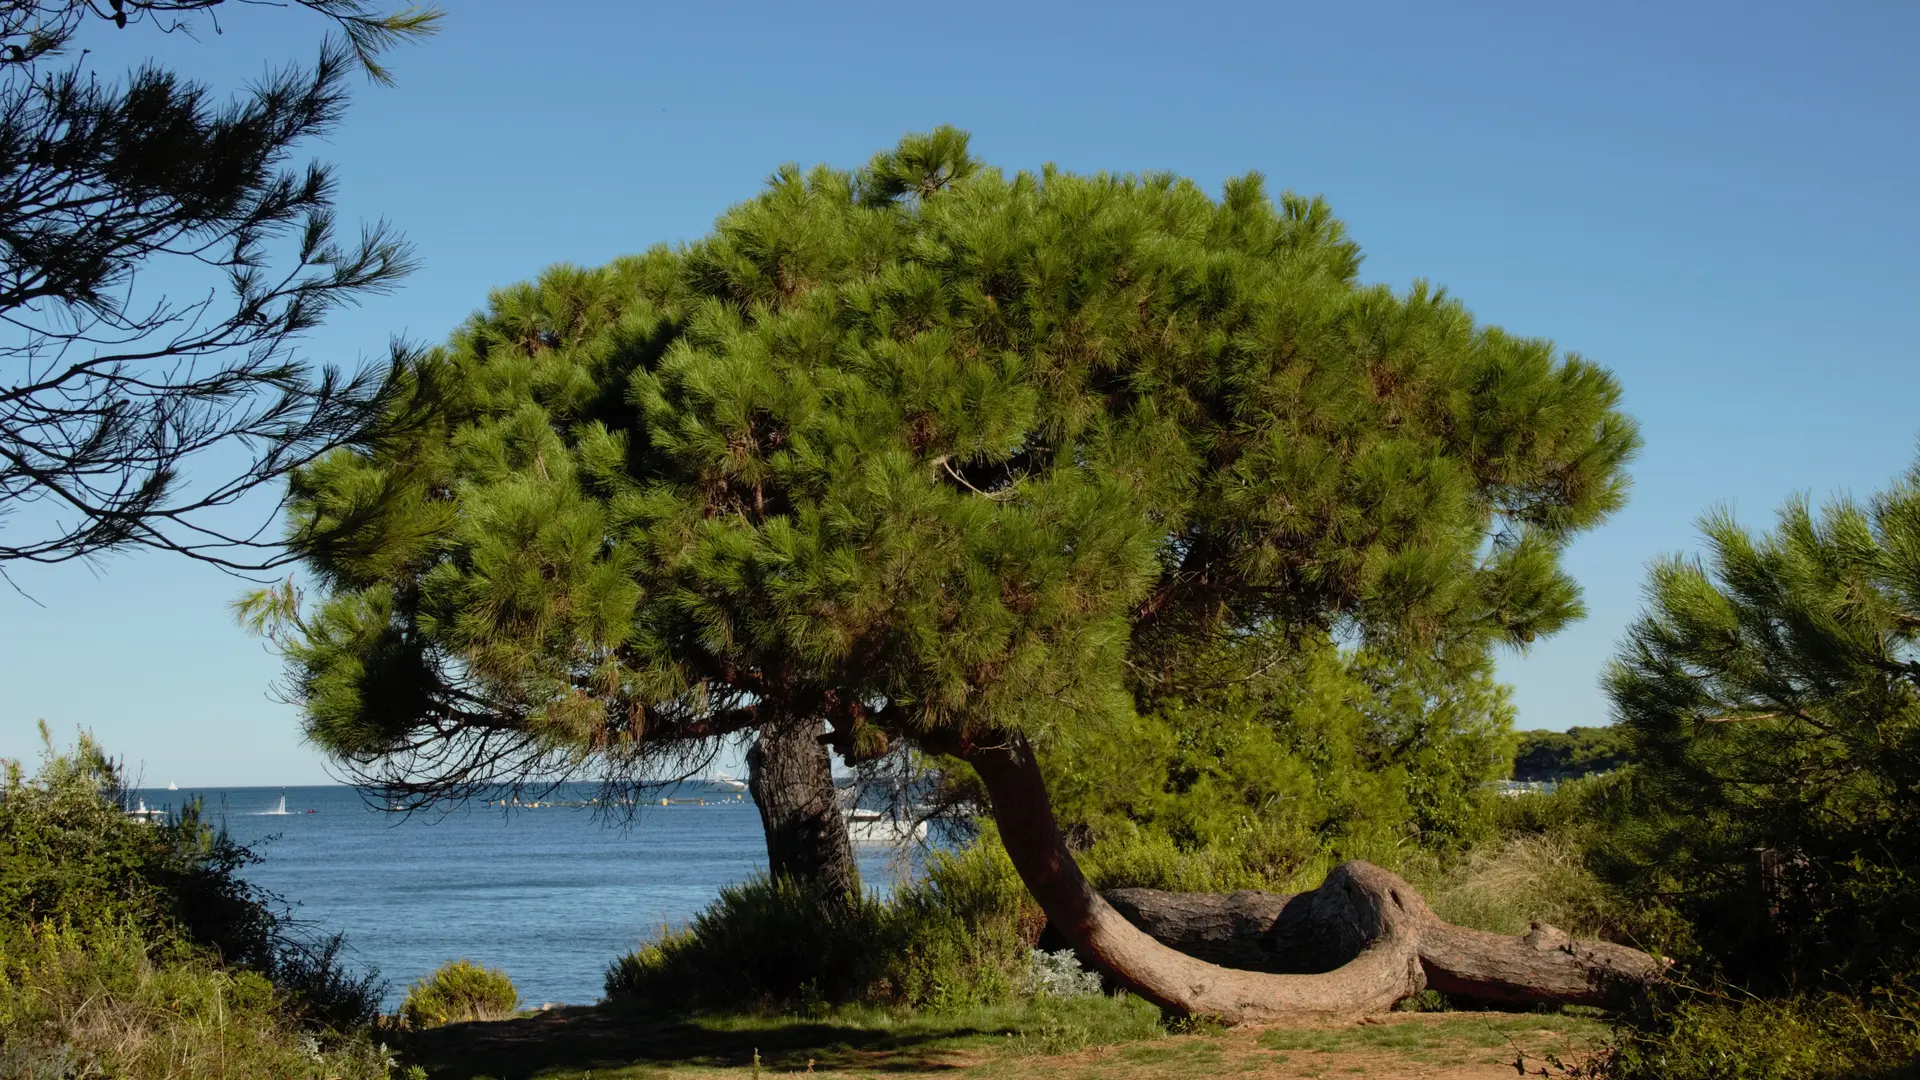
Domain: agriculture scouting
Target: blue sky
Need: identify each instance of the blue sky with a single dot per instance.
(1718, 203)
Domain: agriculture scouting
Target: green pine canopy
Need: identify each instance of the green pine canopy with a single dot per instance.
(933, 453)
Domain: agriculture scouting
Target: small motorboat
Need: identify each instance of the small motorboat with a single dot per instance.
(875, 827)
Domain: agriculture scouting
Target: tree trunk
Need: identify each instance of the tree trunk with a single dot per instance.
(791, 779)
(1271, 932)
(1354, 946)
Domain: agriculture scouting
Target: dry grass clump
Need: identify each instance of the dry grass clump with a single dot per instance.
(1523, 880)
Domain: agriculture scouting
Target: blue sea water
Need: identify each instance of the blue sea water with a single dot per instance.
(550, 895)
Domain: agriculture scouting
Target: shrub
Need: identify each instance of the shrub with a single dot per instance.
(106, 1000)
(1128, 857)
(322, 989)
(457, 992)
(1574, 808)
(135, 949)
(764, 942)
(1248, 773)
(70, 855)
(960, 937)
(956, 939)
(1710, 1036)
(1059, 974)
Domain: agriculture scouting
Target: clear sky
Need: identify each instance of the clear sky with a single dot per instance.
(1718, 203)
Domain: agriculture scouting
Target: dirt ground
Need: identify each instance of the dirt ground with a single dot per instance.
(1405, 1047)
(576, 1044)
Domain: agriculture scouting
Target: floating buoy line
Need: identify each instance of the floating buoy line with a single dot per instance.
(516, 804)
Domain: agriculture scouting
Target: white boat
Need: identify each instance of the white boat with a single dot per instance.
(724, 782)
(171, 786)
(141, 813)
(875, 827)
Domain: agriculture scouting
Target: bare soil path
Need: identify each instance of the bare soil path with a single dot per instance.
(596, 1043)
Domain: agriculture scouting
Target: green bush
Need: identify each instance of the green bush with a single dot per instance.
(1504, 887)
(1228, 778)
(765, 942)
(1770, 695)
(961, 936)
(956, 939)
(459, 991)
(1575, 808)
(136, 948)
(1130, 856)
(1711, 1036)
(69, 854)
(107, 1000)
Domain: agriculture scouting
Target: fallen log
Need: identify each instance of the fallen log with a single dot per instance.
(1313, 933)
(1358, 944)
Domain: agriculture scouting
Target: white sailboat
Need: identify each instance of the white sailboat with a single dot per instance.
(171, 786)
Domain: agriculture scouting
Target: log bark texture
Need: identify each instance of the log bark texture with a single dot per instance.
(1354, 946)
(1272, 932)
(791, 780)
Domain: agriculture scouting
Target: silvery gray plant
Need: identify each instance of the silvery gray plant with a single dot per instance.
(1059, 974)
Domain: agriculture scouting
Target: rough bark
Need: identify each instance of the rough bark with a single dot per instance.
(1355, 903)
(1271, 932)
(1354, 946)
(791, 780)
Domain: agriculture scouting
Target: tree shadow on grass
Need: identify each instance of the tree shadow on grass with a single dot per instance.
(602, 1038)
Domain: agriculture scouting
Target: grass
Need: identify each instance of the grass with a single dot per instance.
(1437, 1039)
(1084, 1039)
(1505, 887)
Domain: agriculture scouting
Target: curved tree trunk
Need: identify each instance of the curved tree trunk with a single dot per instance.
(1354, 946)
(791, 779)
(1272, 932)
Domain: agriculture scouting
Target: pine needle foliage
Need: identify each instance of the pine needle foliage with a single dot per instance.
(927, 450)
(112, 386)
(1771, 696)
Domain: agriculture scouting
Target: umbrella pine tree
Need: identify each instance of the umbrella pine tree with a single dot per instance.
(941, 456)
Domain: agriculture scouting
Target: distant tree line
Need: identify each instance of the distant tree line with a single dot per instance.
(1569, 754)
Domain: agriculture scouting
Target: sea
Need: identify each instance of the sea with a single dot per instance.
(551, 895)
